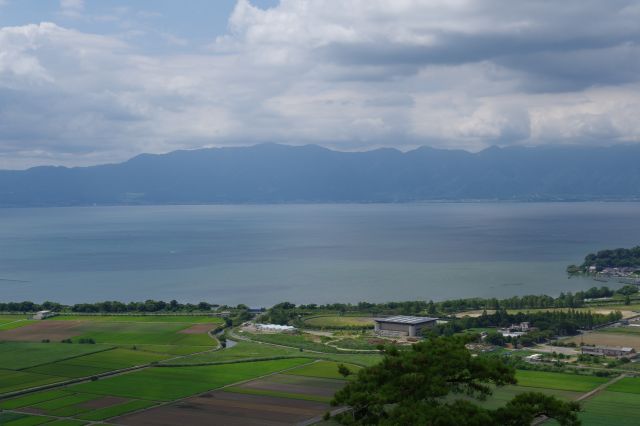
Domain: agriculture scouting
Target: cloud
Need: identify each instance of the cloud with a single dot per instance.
(349, 75)
(72, 8)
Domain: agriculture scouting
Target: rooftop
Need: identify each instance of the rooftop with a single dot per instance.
(404, 319)
(610, 348)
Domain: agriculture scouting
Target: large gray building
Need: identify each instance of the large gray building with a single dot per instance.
(402, 325)
(626, 352)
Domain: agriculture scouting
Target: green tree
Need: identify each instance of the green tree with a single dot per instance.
(419, 387)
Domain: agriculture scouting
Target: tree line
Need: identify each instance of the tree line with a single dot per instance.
(154, 306)
(616, 258)
(547, 324)
(287, 312)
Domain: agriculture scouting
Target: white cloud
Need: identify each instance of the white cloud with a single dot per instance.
(357, 74)
(72, 8)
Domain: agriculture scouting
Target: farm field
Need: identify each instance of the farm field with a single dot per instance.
(253, 350)
(559, 381)
(305, 341)
(624, 330)
(291, 386)
(611, 408)
(322, 369)
(153, 333)
(17, 356)
(608, 339)
(97, 363)
(339, 321)
(11, 381)
(229, 409)
(19, 419)
(81, 406)
(112, 331)
(188, 319)
(276, 399)
(112, 399)
(11, 318)
(626, 385)
(170, 383)
(368, 343)
(9, 322)
(14, 324)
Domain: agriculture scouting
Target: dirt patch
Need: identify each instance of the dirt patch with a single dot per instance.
(297, 385)
(104, 402)
(608, 339)
(197, 329)
(229, 409)
(36, 332)
(625, 314)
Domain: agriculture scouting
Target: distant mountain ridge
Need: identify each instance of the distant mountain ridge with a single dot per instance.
(272, 173)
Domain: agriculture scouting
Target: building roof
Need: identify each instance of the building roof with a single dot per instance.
(404, 319)
(610, 348)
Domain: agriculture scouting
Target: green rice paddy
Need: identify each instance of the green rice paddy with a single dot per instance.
(11, 381)
(14, 324)
(322, 369)
(11, 318)
(152, 333)
(101, 362)
(560, 381)
(17, 356)
(170, 383)
(116, 410)
(626, 385)
(612, 408)
(29, 421)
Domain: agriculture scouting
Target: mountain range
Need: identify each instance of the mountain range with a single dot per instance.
(273, 173)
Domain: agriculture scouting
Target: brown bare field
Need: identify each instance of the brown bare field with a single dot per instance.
(36, 332)
(197, 329)
(297, 385)
(104, 402)
(608, 339)
(229, 409)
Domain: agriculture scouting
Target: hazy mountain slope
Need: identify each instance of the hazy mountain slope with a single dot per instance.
(278, 173)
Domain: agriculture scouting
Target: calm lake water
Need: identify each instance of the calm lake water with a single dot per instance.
(261, 255)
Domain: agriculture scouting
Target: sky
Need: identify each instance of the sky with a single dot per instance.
(91, 81)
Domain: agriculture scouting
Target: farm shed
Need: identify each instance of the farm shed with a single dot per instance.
(609, 351)
(40, 315)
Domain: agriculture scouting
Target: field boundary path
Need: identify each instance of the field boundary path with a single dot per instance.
(542, 419)
(318, 419)
(600, 388)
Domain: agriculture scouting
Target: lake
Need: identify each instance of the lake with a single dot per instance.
(264, 254)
